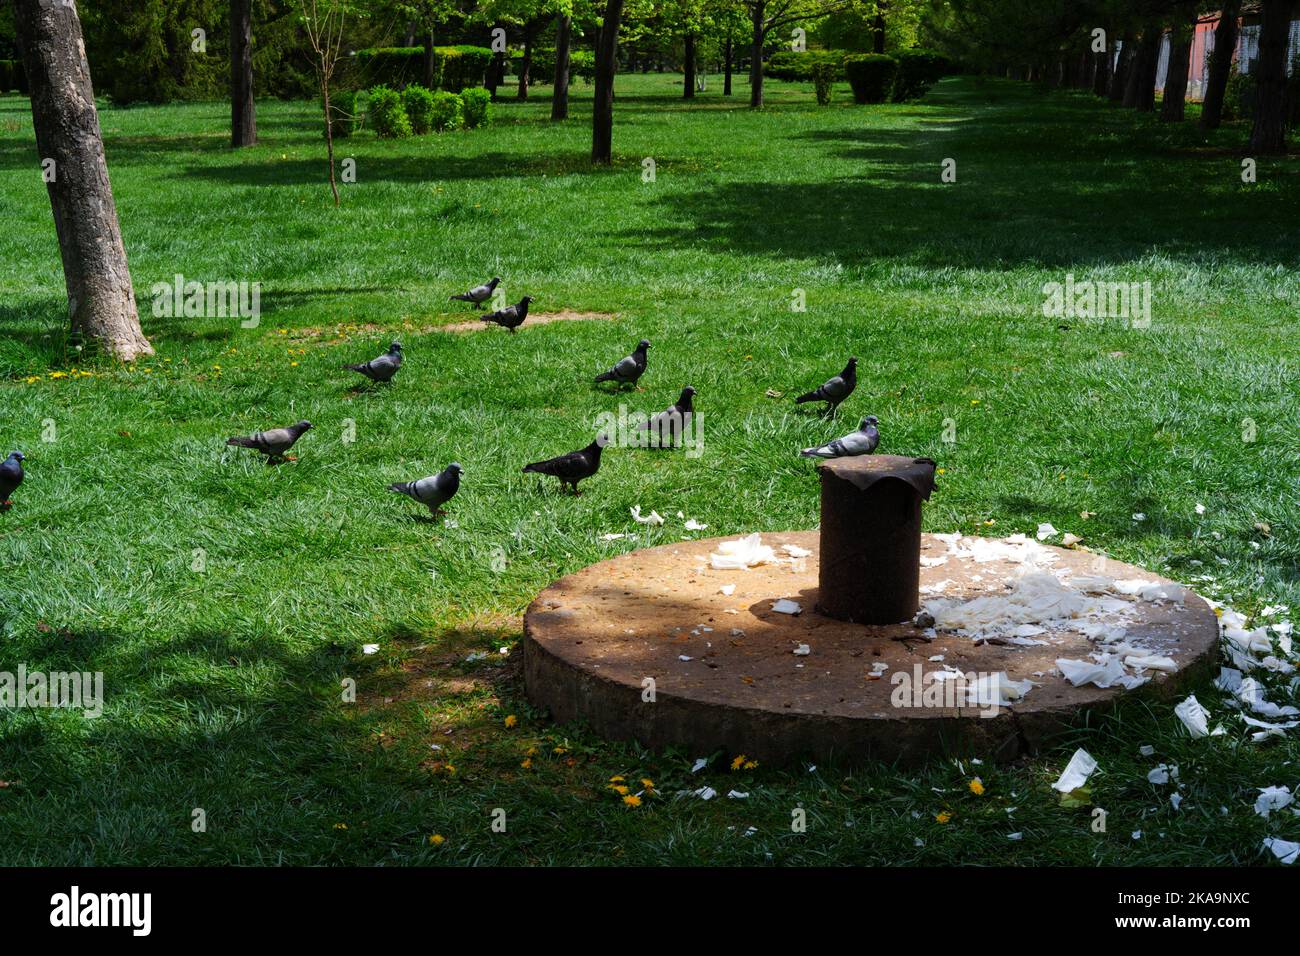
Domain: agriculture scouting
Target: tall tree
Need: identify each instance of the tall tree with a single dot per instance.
(243, 118)
(602, 109)
(1181, 36)
(766, 16)
(1269, 133)
(1216, 83)
(563, 46)
(101, 299)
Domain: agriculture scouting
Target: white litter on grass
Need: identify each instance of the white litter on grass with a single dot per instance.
(1045, 531)
(786, 606)
(1108, 671)
(1272, 798)
(933, 562)
(1076, 772)
(1176, 800)
(1139, 516)
(742, 553)
(612, 536)
(693, 525)
(1146, 750)
(1015, 836)
(1069, 540)
(1200, 508)
(1163, 774)
(700, 764)
(795, 551)
(652, 518)
(372, 649)
(1286, 851)
(803, 650)
(1195, 718)
(727, 589)
(704, 793)
(737, 795)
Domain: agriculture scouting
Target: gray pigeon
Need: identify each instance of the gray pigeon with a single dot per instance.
(573, 467)
(11, 476)
(835, 389)
(273, 443)
(629, 369)
(672, 422)
(512, 316)
(381, 369)
(434, 491)
(861, 442)
(479, 294)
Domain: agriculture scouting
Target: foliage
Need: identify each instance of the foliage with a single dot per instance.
(347, 111)
(13, 76)
(791, 66)
(1239, 96)
(447, 111)
(477, 106)
(823, 75)
(918, 70)
(454, 67)
(387, 115)
(582, 63)
(871, 75)
(419, 105)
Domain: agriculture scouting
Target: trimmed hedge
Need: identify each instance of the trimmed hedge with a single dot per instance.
(447, 112)
(582, 63)
(918, 70)
(477, 106)
(347, 112)
(13, 76)
(823, 75)
(419, 105)
(871, 75)
(792, 67)
(387, 114)
(454, 67)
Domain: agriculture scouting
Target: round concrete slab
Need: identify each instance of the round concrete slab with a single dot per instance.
(647, 646)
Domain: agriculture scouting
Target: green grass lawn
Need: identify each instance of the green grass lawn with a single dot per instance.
(223, 686)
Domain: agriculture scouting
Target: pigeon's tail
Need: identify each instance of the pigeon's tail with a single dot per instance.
(356, 368)
(535, 466)
(402, 487)
(823, 451)
(463, 297)
(242, 442)
(814, 396)
(607, 376)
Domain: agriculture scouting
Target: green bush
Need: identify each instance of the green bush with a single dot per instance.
(463, 67)
(454, 67)
(871, 75)
(418, 103)
(447, 112)
(918, 70)
(386, 113)
(477, 106)
(792, 67)
(823, 75)
(347, 112)
(13, 76)
(1239, 96)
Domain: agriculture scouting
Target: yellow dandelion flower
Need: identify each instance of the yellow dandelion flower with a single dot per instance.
(527, 764)
(976, 787)
(616, 779)
(647, 783)
(751, 764)
(632, 800)
(340, 826)
(58, 375)
(943, 817)
(437, 839)
(738, 762)
(511, 720)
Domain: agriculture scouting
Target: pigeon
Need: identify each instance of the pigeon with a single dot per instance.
(381, 369)
(274, 443)
(11, 476)
(434, 491)
(479, 294)
(629, 369)
(861, 442)
(512, 316)
(834, 390)
(574, 466)
(673, 421)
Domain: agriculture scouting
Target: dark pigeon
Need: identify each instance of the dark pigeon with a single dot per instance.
(834, 390)
(512, 316)
(479, 294)
(434, 491)
(861, 442)
(573, 467)
(273, 443)
(381, 369)
(671, 424)
(11, 476)
(629, 369)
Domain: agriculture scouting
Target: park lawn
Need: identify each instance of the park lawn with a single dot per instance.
(223, 685)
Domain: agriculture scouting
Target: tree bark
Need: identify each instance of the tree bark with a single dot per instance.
(756, 56)
(101, 300)
(688, 68)
(1101, 73)
(1145, 61)
(1180, 61)
(526, 63)
(602, 111)
(496, 73)
(560, 91)
(243, 119)
(726, 78)
(1269, 133)
(1146, 102)
(1225, 42)
(429, 83)
(1123, 68)
(878, 29)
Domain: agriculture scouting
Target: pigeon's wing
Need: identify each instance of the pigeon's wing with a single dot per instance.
(626, 367)
(834, 387)
(275, 441)
(572, 465)
(11, 476)
(426, 491)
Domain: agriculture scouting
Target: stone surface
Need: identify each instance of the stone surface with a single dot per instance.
(592, 638)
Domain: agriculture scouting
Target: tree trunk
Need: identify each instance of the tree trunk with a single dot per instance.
(429, 79)
(101, 300)
(602, 110)
(1101, 73)
(243, 120)
(878, 29)
(726, 78)
(1145, 61)
(1146, 102)
(1180, 61)
(526, 64)
(1225, 41)
(1123, 68)
(496, 73)
(1269, 133)
(560, 91)
(756, 57)
(688, 68)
